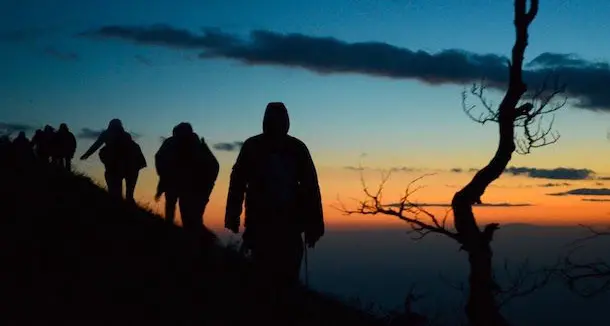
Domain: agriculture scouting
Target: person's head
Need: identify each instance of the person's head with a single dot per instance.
(276, 121)
(115, 125)
(48, 128)
(21, 134)
(63, 127)
(183, 130)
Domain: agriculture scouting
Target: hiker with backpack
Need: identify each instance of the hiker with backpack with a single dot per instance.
(122, 158)
(64, 147)
(275, 175)
(43, 143)
(187, 171)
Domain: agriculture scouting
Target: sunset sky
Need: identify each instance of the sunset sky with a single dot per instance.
(376, 83)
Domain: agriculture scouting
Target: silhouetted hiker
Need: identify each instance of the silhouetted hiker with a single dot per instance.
(36, 141)
(122, 158)
(187, 172)
(23, 151)
(43, 143)
(7, 155)
(277, 176)
(64, 147)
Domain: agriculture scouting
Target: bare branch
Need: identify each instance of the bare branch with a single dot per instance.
(489, 114)
(420, 221)
(524, 281)
(590, 278)
(593, 234)
(586, 279)
(529, 116)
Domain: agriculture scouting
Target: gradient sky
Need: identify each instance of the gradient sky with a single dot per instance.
(59, 63)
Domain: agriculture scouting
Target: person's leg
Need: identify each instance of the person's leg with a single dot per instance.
(261, 290)
(171, 199)
(131, 179)
(68, 163)
(114, 184)
(190, 211)
(286, 265)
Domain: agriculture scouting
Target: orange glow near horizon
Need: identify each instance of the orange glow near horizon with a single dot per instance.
(339, 185)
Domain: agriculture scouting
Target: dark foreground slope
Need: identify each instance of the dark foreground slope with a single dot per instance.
(72, 255)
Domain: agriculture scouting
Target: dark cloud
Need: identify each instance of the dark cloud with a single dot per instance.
(87, 133)
(228, 147)
(551, 185)
(555, 60)
(557, 173)
(326, 55)
(596, 199)
(476, 205)
(143, 60)
(584, 192)
(7, 128)
(60, 55)
(457, 170)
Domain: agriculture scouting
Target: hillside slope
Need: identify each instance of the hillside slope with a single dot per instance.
(73, 255)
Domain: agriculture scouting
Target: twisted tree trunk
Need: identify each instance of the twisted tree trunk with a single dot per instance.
(482, 308)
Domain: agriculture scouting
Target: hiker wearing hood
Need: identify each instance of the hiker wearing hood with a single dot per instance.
(64, 147)
(122, 158)
(187, 171)
(43, 141)
(24, 152)
(276, 174)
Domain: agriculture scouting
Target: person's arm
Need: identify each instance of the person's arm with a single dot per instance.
(237, 189)
(314, 216)
(72, 144)
(98, 143)
(212, 165)
(160, 158)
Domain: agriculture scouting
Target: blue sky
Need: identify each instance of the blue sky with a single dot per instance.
(53, 76)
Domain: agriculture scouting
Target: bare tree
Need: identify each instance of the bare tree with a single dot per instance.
(588, 278)
(519, 110)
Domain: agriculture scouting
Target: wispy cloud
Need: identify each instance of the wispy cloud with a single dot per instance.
(88, 133)
(7, 128)
(55, 53)
(392, 169)
(551, 185)
(25, 34)
(143, 60)
(228, 147)
(587, 79)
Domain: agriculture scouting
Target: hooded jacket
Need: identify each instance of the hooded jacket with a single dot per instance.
(255, 180)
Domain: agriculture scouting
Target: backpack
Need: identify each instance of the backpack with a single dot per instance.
(122, 154)
(280, 181)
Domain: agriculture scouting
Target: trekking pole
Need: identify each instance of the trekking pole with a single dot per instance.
(306, 264)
